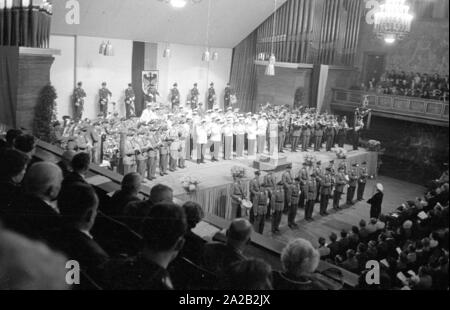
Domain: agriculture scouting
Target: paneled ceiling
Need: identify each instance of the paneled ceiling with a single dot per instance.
(155, 21)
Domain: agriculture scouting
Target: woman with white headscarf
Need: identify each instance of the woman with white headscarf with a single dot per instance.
(376, 201)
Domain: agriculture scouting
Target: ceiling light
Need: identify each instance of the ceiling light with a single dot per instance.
(178, 4)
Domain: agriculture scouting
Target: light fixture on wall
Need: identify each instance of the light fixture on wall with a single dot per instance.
(102, 48)
(393, 21)
(270, 69)
(215, 56)
(166, 53)
(206, 56)
(109, 51)
(179, 4)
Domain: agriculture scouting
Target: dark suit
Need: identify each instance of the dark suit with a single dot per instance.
(71, 179)
(80, 247)
(193, 248)
(8, 192)
(32, 217)
(119, 201)
(283, 283)
(376, 201)
(218, 257)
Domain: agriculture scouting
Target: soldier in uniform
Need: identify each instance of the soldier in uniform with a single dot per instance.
(152, 147)
(252, 129)
(260, 211)
(152, 94)
(255, 188)
(330, 133)
(174, 148)
(237, 196)
(194, 97)
(277, 206)
(311, 197)
(342, 132)
(211, 97)
(318, 136)
(227, 97)
(356, 133)
(296, 134)
(78, 96)
(182, 150)
(273, 135)
(319, 174)
(175, 97)
(130, 97)
(362, 181)
(142, 154)
(304, 179)
(261, 134)
(202, 141)
(295, 192)
(239, 131)
(282, 130)
(104, 95)
(353, 182)
(287, 181)
(306, 136)
(325, 191)
(129, 157)
(216, 138)
(228, 139)
(163, 157)
(339, 188)
(270, 184)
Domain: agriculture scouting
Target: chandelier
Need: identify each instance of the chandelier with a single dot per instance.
(393, 21)
(179, 4)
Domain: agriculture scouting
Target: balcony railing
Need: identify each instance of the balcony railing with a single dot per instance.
(407, 108)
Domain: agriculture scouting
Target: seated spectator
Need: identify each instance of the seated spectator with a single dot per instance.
(323, 250)
(136, 212)
(299, 261)
(66, 162)
(353, 238)
(80, 166)
(363, 232)
(131, 186)
(362, 256)
(29, 265)
(27, 145)
(351, 263)
(423, 281)
(35, 214)
(78, 205)
(11, 137)
(372, 227)
(218, 257)
(163, 233)
(372, 252)
(13, 165)
(194, 245)
(344, 242)
(333, 246)
(249, 275)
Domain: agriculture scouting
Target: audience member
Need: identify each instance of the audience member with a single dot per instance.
(299, 261)
(194, 245)
(131, 186)
(163, 233)
(13, 165)
(78, 205)
(218, 257)
(66, 162)
(249, 275)
(80, 166)
(11, 137)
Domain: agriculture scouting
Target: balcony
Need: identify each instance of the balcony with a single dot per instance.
(411, 109)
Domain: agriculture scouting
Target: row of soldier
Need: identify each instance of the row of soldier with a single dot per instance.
(272, 198)
(191, 134)
(151, 95)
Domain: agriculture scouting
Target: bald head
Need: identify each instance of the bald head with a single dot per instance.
(240, 232)
(44, 180)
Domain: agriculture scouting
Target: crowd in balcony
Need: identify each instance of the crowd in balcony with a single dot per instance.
(411, 244)
(420, 85)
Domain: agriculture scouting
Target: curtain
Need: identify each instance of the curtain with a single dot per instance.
(138, 64)
(243, 73)
(9, 72)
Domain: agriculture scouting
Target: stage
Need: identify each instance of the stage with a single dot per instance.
(216, 179)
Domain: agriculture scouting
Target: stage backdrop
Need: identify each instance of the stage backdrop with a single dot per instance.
(9, 78)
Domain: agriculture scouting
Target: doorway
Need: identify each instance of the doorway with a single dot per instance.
(374, 67)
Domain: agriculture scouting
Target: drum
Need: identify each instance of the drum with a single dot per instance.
(246, 204)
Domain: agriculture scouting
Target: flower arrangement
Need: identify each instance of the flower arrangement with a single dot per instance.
(190, 184)
(340, 153)
(238, 172)
(374, 146)
(310, 160)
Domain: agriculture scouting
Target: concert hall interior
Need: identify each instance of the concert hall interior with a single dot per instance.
(224, 145)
